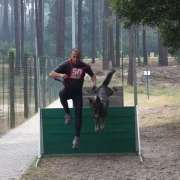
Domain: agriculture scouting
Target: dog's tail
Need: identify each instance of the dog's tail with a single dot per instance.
(108, 78)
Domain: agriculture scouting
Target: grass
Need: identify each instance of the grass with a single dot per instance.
(159, 96)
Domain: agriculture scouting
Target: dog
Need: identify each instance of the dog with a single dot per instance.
(100, 102)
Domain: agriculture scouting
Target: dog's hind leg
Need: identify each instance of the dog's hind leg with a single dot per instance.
(102, 124)
(96, 127)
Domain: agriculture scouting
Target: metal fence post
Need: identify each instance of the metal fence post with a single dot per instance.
(43, 79)
(30, 85)
(49, 88)
(35, 85)
(26, 105)
(11, 89)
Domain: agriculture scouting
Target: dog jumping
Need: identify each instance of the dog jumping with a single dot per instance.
(100, 102)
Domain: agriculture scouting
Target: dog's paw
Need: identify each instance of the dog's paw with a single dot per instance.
(96, 128)
(102, 126)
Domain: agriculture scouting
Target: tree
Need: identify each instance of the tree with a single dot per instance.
(39, 25)
(22, 29)
(138, 45)
(105, 36)
(32, 25)
(79, 31)
(5, 25)
(98, 26)
(60, 28)
(163, 14)
(93, 31)
(117, 42)
(163, 52)
(111, 55)
(145, 58)
(17, 32)
(132, 54)
(12, 26)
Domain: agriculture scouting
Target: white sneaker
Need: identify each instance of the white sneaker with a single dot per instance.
(76, 142)
(67, 119)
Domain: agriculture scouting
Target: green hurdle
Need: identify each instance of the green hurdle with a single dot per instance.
(119, 135)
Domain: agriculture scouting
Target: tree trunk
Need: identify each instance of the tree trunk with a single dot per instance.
(32, 25)
(39, 25)
(12, 27)
(132, 56)
(25, 18)
(101, 27)
(1, 20)
(145, 59)
(98, 15)
(22, 30)
(17, 33)
(105, 37)
(60, 28)
(117, 43)
(163, 52)
(5, 25)
(111, 55)
(93, 32)
(111, 45)
(137, 44)
(79, 31)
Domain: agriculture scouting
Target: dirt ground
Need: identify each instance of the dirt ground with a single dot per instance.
(160, 141)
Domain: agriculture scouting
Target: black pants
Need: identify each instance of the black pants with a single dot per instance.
(77, 99)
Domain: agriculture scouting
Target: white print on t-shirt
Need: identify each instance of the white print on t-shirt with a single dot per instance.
(76, 73)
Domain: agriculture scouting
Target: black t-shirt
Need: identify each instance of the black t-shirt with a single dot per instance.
(75, 72)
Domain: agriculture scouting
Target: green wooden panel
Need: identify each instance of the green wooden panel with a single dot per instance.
(117, 137)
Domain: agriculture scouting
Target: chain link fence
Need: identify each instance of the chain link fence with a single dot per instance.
(4, 94)
(19, 88)
(49, 88)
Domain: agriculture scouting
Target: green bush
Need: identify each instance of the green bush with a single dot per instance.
(5, 47)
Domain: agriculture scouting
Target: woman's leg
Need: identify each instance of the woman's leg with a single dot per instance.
(63, 98)
(78, 102)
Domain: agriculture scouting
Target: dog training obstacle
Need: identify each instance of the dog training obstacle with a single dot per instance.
(119, 135)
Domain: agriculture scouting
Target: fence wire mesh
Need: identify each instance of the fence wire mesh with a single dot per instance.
(19, 88)
(49, 88)
(4, 94)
